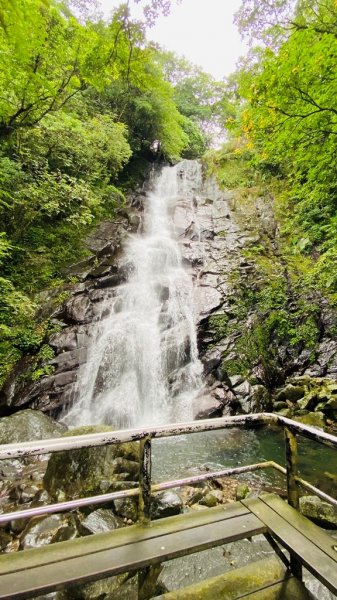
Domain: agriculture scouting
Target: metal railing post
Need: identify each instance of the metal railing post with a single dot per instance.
(292, 488)
(147, 577)
(144, 504)
(291, 465)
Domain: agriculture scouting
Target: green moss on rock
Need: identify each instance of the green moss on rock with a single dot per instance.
(90, 471)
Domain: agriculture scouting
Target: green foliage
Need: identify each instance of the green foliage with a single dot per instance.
(79, 99)
(19, 335)
(219, 326)
(232, 166)
(286, 119)
(198, 96)
(196, 145)
(39, 367)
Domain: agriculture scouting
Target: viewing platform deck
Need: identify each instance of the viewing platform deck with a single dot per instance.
(143, 547)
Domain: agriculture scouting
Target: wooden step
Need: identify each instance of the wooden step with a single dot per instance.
(262, 580)
(314, 548)
(34, 572)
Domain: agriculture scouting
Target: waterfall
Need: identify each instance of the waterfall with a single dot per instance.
(143, 365)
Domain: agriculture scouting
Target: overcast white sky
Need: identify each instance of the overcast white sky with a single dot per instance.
(201, 30)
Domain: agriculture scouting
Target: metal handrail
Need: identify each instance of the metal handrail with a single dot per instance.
(145, 435)
(48, 446)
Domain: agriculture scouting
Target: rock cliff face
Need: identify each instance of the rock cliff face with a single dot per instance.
(217, 235)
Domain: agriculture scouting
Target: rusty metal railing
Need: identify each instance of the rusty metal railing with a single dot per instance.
(145, 435)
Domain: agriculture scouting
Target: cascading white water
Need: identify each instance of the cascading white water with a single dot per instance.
(143, 365)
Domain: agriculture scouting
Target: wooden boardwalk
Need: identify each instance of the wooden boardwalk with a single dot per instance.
(34, 572)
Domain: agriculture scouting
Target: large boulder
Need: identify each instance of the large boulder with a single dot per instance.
(28, 425)
(207, 407)
(320, 512)
(90, 471)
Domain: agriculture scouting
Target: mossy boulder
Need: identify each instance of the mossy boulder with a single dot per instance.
(28, 425)
(90, 471)
(322, 513)
(313, 399)
(290, 392)
(314, 419)
(112, 588)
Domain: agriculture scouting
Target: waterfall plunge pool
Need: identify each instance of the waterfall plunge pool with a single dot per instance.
(182, 456)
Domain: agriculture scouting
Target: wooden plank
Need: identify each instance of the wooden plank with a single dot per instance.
(311, 531)
(55, 576)
(313, 558)
(10, 563)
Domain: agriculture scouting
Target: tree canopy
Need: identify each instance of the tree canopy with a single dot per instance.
(286, 116)
(79, 99)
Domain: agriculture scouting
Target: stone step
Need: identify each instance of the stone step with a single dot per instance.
(262, 580)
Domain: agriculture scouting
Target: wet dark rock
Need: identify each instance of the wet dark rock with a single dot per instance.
(100, 271)
(109, 234)
(109, 250)
(211, 363)
(64, 340)
(110, 281)
(99, 294)
(56, 399)
(42, 531)
(68, 361)
(49, 394)
(126, 508)
(165, 504)
(304, 360)
(99, 521)
(82, 268)
(315, 371)
(77, 309)
(176, 357)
